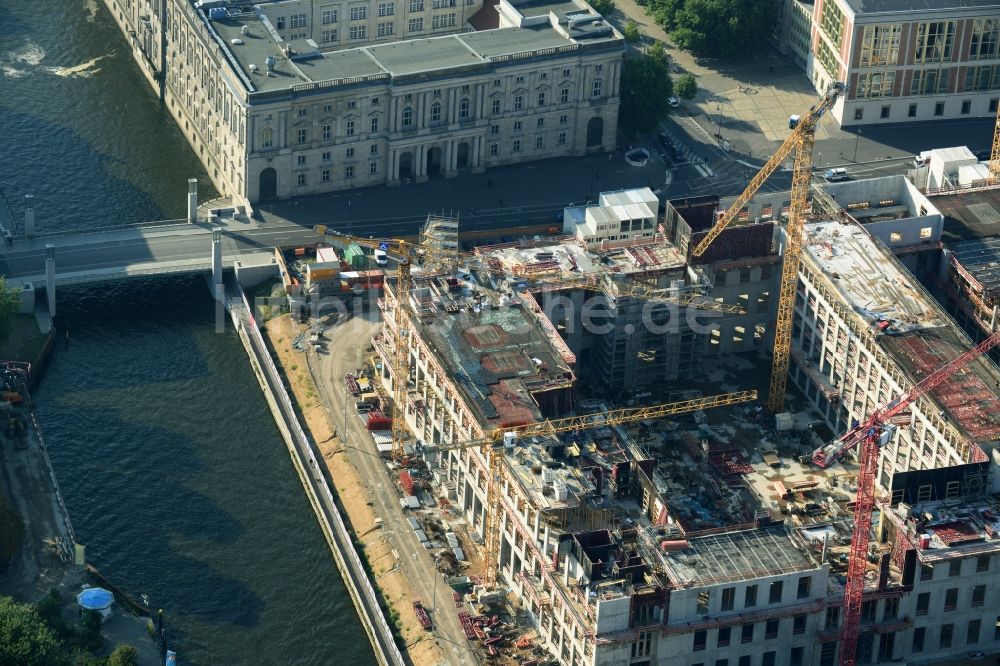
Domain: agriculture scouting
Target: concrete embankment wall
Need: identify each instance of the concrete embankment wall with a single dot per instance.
(317, 490)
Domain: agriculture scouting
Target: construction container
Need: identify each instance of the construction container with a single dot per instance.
(406, 481)
(674, 545)
(355, 257)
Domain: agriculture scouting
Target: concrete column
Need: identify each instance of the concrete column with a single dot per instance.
(50, 278)
(217, 256)
(192, 200)
(29, 215)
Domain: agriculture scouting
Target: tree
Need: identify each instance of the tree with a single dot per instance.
(124, 655)
(686, 87)
(25, 640)
(10, 305)
(49, 609)
(603, 7)
(645, 87)
(631, 32)
(90, 637)
(721, 28)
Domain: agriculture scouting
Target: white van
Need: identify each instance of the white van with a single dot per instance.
(835, 174)
(381, 258)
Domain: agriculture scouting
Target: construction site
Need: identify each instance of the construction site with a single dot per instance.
(740, 432)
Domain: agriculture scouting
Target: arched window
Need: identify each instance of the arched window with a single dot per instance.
(407, 117)
(267, 138)
(463, 109)
(436, 112)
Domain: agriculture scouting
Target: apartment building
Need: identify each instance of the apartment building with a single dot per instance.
(903, 61)
(285, 98)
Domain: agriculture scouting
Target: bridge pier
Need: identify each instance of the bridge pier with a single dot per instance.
(29, 215)
(192, 200)
(50, 278)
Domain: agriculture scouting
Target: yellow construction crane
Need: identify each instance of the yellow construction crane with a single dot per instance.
(488, 446)
(995, 153)
(800, 141)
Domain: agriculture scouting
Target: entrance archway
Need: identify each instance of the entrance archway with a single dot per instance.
(433, 162)
(406, 166)
(595, 132)
(268, 187)
(463, 156)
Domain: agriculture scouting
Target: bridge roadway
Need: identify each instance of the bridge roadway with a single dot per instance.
(157, 249)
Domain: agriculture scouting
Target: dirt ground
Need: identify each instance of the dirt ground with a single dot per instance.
(352, 492)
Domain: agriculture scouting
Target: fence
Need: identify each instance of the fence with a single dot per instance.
(357, 582)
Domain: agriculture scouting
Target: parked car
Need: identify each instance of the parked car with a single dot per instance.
(673, 102)
(835, 174)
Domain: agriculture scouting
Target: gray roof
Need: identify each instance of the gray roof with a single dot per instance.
(416, 56)
(862, 7)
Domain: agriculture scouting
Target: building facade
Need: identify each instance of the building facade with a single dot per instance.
(286, 98)
(903, 62)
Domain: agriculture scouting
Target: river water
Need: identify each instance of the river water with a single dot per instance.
(173, 471)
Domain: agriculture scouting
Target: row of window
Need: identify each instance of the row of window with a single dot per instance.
(302, 180)
(724, 636)
(359, 12)
(939, 109)
(955, 567)
(935, 42)
(770, 658)
(775, 592)
(946, 635)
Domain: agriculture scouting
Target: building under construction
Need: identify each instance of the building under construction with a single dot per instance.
(712, 538)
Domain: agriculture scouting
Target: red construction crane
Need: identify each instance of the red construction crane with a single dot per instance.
(870, 435)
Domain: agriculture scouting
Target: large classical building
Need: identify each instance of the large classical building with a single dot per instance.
(293, 97)
(904, 61)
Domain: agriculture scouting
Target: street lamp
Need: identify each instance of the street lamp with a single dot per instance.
(857, 138)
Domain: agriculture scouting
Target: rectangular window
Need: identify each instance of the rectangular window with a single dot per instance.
(771, 629)
(349, 128)
(300, 179)
(562, 138)
(496, 106)
(926, 572)
(416, 25)
(494, 130)
(799, 624)
(929, 81)
(518, 102)
(595, 88)
(326, 156)
(539, 141)
(325, 175)
(934, 41)
(374, 124)
(327, 132)
(301, 135)
(805, 584)
(774, 593)
(359, 31)
(516, 147)
(541, 99)
(725, 633)
(563, 119)
(918, 639)
(494, 149)
(767, 659)
(349, 153)
(349, 172)
(297, 21)
(728, 599)
(978, 596)
(972, 633)
(954, 568)
(966, 108)
(982, 563)
(385, 28)
(912, 112)
(373, 168)
(564, 95)
(279, 23)
(517, 126)
(885, 111)
(750, 596)
(795, 656)
(985, 36)
(327, 36)
(746, 633)
(700, 638)
(880, 45)
(951, 599)
(721, 662)
(946, 633)
(329, 16)
(704, 602)
(982, 78)
(300, 160)
(744, 660)
(386, 8)
(923, 603)
(359, 12)
(416, 5)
